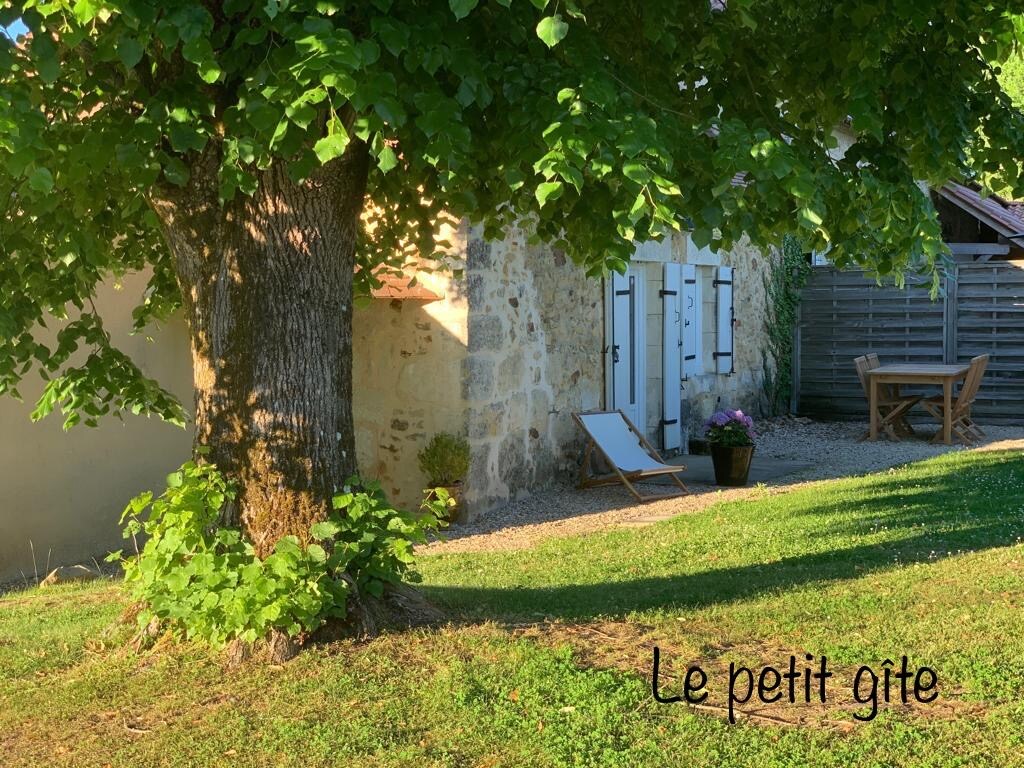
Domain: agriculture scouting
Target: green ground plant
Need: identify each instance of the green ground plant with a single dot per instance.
(205, 580)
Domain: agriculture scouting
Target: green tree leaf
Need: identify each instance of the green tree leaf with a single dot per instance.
(41, 180)
(386, 159)
(333, 145)
(548, 191)
(129, 50)
(462, 8)
(552, 30)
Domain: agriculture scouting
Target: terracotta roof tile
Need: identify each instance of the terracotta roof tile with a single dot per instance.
(397, 287)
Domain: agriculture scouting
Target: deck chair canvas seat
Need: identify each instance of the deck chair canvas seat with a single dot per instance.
(626, 451)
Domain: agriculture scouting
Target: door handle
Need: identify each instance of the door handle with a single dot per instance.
(615, 353)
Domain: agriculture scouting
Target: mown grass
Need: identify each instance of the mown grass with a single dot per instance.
(545, 661)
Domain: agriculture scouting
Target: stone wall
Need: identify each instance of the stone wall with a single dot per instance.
(536, 334)
(407, 363)
(535, 339)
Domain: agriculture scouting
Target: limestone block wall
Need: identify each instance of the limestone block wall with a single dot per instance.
(535, 340)
(535, 337)
(407, 364)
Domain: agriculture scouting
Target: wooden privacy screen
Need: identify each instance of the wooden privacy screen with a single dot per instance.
(844, 314)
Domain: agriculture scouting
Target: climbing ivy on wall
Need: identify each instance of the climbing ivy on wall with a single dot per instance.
(783, 284)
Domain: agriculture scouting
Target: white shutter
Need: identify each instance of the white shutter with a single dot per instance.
(672, 341)
(692, 358)
(622, 320)
(724, 340)
(627, 344)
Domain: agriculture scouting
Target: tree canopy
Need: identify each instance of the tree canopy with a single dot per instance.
(1011, 77)
(604, 123)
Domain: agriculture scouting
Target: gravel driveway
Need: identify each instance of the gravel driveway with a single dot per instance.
(830, 447)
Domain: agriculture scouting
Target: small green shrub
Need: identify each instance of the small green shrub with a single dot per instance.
(445, 459)
(206, 582)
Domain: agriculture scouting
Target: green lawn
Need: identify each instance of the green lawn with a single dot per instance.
(547, 658)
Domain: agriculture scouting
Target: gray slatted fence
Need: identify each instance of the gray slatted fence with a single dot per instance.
(844, 314)
(990, 319)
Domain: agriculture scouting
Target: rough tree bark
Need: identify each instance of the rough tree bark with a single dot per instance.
(266, 283)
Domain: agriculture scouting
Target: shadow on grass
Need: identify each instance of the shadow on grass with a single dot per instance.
(966, 508)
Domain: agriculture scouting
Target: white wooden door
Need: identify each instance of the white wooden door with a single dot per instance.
(627, 347)
(671, 356)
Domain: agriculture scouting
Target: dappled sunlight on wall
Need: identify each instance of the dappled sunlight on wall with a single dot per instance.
(407, 382)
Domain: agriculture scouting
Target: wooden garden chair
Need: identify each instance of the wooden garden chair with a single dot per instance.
(963, 425)
(892, 393)
(624, 448)
(892, 406)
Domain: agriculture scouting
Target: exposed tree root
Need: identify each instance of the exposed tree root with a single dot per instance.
(400, 607)
(281, 647)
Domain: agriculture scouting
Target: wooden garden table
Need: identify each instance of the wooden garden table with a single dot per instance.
(916, 373)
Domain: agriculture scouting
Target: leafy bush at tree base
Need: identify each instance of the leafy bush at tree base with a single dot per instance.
(205, 582)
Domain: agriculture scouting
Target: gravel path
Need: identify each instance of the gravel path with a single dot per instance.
(831, 447)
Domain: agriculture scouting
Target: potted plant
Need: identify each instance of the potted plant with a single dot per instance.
(731, 437)
(445, 462)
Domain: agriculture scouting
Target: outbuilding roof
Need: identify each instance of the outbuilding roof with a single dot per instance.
(1004, 216)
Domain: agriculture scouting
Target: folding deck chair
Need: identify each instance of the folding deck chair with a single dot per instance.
(625, 449)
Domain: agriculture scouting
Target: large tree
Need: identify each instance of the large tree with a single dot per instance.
(254, 155)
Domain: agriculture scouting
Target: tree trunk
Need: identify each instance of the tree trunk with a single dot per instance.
(266, 283)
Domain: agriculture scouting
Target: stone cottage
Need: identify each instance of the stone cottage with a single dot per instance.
(506, 353)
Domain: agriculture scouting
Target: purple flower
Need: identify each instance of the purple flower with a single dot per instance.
(730, 427)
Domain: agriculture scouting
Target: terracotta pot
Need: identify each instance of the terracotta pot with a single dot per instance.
(732, 463)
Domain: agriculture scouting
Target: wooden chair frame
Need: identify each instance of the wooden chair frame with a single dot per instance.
(589, 480)
(963, 425)
(893, 407)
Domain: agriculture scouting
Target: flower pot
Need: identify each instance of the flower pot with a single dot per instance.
(732, 463)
